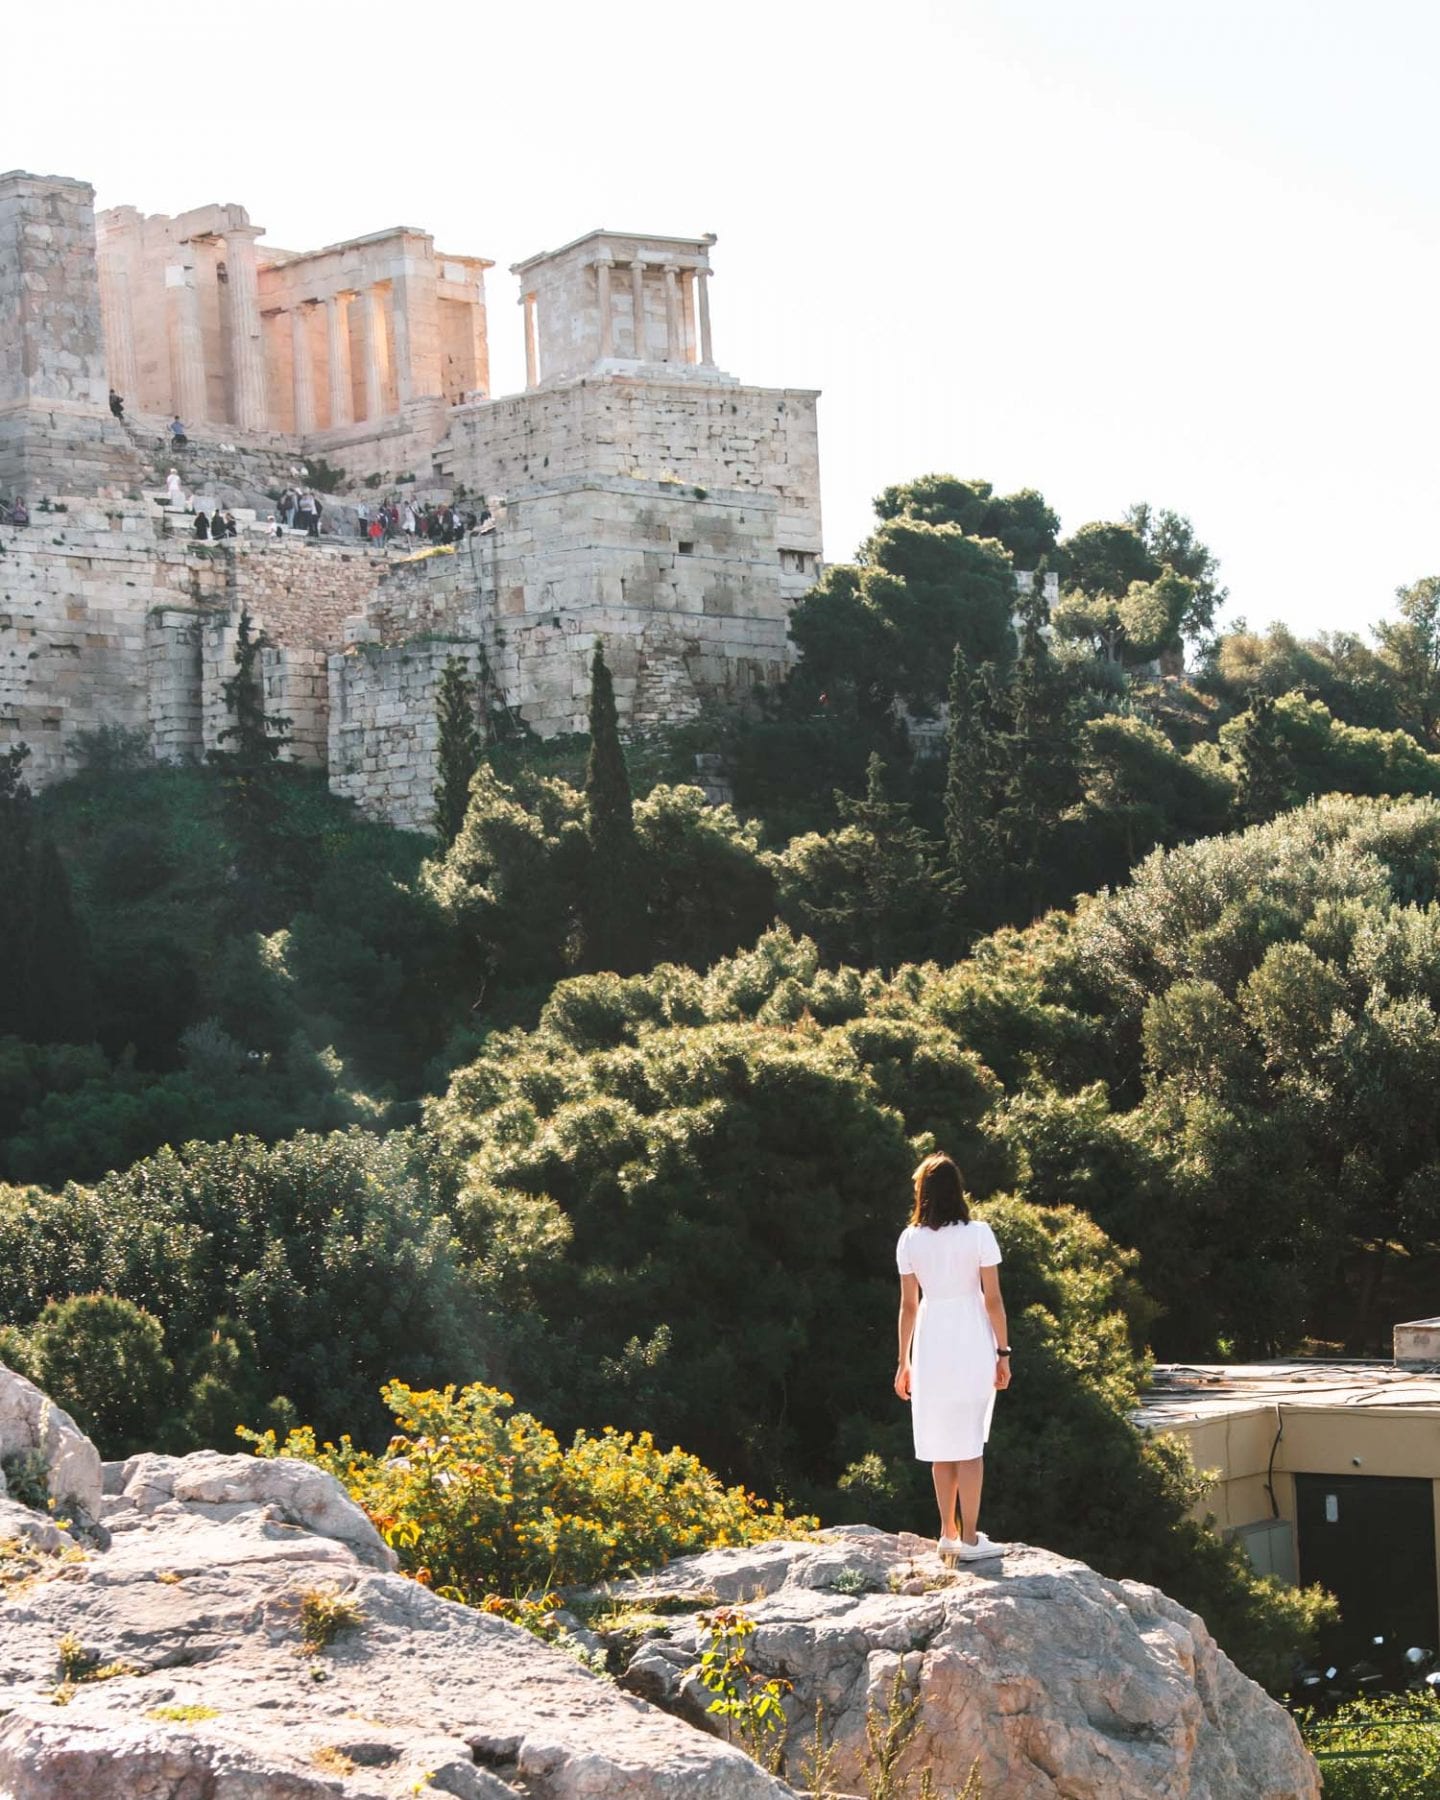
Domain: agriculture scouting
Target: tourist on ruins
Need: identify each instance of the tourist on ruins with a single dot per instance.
(288, 502)
(309, 511)
(954, 1354)
(19, 511)
(232, 529)
(407, 520)
(177, 433)
(117, 405)
(201, 528)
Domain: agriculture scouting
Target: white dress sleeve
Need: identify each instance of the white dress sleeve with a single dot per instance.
(989, 1249)
(903, 1259)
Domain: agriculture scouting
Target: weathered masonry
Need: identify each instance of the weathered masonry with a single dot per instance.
(637, 492)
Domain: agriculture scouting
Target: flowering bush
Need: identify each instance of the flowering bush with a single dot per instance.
(477, 1499)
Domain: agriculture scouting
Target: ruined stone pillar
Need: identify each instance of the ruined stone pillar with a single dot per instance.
(187, 344)
(400, 340)
(637, 303)
(532, 357)
(702, 283)
(303, 374)
(337, 350)
(672, 314)
(247, 348)
(119, 327)
(372, 323)
(607, 323)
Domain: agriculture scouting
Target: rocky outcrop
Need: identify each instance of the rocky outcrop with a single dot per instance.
(31, 1422)
(194, 1683)
(1040, 1676)
(163, 1656)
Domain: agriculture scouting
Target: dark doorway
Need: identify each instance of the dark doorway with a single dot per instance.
(1370, 1539)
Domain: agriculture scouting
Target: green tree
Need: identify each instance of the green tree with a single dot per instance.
(885, 630)
(59, 998)
(254, 808)
(615, 905)
(1106, 558)
(103, 1359)
(1171, 540)
(17, 833)
(1410, 653)
(1136, 627)
(459, 751)
(973, 778)
(1266, 769)
(876, 892)
(1041, 763)
(1022, 522)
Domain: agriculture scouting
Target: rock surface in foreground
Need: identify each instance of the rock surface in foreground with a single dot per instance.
(1048, 1678)
(1044, 1677)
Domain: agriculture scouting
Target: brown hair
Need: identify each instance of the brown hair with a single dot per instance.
(940, 1193)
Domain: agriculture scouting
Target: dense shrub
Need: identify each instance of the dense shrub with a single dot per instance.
(479, 1500)
(323, 1264)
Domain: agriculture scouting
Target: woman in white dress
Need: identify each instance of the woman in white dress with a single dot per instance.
(953, 1349)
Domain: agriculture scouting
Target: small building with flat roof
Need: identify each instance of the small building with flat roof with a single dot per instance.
(1326, 1471)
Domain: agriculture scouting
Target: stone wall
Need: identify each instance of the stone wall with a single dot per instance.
(691, 434)
(108, 620)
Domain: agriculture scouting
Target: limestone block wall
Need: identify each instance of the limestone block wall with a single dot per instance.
(384, 734)
(107, 620)
(699, 435)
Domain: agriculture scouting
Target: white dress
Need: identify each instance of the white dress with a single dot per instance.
(952, 1356)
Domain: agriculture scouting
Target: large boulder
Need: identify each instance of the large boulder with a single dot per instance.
(1040, 1676)
(30, 1420)
(216, 1485)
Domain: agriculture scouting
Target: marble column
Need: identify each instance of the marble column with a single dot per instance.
(337, 356)
(187, 344)
(247, 348)
(702, 283)
(532, 358)
(400, 357)
(303, 373)
(119, 323)
(672, 313)
(372, 324)
(637, 305)
(687, 315)
(607, 322)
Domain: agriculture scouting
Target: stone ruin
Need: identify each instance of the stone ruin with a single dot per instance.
(638, 494)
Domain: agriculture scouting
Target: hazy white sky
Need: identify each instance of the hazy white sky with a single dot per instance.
(1185, 251)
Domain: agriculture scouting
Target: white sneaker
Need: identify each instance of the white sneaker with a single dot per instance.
(980, 1550)
(948, 1546)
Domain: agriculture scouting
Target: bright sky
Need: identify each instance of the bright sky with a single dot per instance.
(1185, 251)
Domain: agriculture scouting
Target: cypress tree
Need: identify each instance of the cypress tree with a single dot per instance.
(17, 831)
(970, 773)
(899, 890)
(459, 751)
(1267, 771)
(254, 801)
(59, 999)
(614, 913)
(1043, 774)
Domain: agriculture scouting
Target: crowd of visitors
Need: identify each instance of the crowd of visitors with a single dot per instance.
(300, 509)
(385, 520)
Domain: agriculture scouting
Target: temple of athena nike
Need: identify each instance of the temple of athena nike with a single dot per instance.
(631, 492)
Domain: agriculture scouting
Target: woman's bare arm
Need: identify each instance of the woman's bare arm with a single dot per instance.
(995, 1307)
(909, 1306)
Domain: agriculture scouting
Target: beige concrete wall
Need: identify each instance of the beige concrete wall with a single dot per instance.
(1315, 1440)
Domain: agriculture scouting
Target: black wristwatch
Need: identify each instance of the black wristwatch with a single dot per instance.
(1000, 1352)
